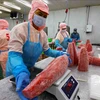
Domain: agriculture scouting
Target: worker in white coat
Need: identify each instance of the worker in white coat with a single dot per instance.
(62, 38)
(27, 42)
(4, 39)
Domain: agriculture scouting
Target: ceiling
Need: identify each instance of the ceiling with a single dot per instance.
(54, 5)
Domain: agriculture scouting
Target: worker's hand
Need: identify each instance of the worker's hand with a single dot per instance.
(64, 50)
(22, 80)
(70, 61)
(65, 53)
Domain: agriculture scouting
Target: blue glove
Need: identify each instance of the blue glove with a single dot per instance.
(22, 80)
(70, 61)
(55, 53)
(65, 53)
(64, 50)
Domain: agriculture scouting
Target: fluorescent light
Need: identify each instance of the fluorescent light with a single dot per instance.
(5, 9)
(11, 5)
(98, 48)
(26, 3)
(0, 12)
(46, 1)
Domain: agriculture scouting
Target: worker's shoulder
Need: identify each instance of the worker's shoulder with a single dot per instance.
(20, 26)
(43, 33)
(59, 34)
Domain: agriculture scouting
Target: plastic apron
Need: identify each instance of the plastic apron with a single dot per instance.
(31, 50)
(65, 42)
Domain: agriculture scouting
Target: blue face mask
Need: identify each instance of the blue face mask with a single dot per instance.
(38, 20)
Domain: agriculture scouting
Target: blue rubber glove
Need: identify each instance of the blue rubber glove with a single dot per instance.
(64, 50)
(22, 80)
(55, 53)
(70, 61)
(65, 53)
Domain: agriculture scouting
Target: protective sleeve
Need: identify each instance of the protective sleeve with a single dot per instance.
(16, 63)
(53, 53)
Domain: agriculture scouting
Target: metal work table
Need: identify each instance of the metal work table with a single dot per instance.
(7, 91)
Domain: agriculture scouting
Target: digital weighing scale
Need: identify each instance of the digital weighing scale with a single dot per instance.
(65, 88)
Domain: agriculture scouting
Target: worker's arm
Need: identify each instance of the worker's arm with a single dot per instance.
(57, 43)
(16, 63)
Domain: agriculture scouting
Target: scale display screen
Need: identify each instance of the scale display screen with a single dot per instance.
(69, 87)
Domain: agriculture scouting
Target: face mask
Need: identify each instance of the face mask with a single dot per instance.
(39, 21)
(63, 31)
